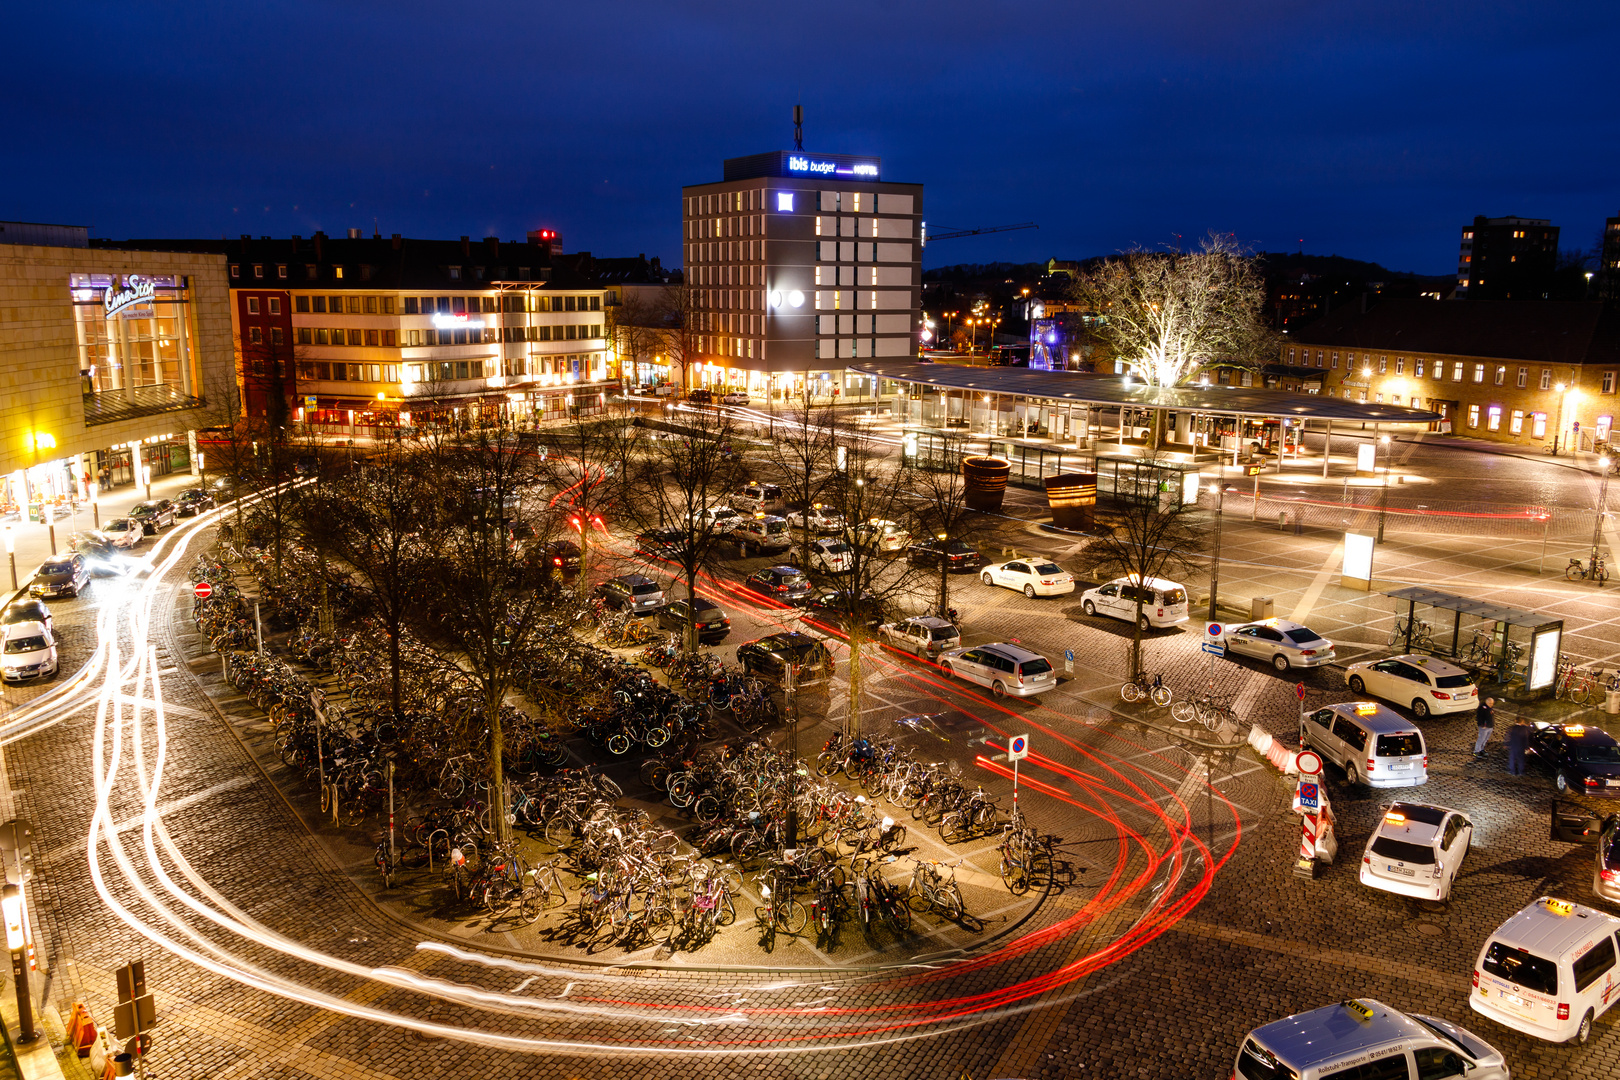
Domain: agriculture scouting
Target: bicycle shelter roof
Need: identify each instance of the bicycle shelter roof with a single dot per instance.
(1484, 609)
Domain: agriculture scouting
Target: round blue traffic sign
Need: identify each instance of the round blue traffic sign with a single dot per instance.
(1213, 629)
(1018, 744)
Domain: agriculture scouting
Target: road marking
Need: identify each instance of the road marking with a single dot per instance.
(1313, 592)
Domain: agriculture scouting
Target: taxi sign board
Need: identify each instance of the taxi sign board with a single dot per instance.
(1361, 1012)
(1309, 795)
(1018, 748)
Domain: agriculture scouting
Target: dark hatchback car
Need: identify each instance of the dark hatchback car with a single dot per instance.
(26, 609)
(713, 624)
(784, 583)
(661, 544)
(559, 555)
(955, 554)
(771, 657)
(193, 501)
(153, 515)
(1580, 758)
(60, 575)
(842, 607)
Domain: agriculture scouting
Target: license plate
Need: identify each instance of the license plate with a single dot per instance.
(1401, 870)
(1614, 783)
(1399, 765)
(1513, 999)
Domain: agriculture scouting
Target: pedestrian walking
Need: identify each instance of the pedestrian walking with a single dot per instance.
(1485, 718)
(1518, 740)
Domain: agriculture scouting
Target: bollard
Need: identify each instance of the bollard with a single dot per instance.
(123, 1064)
(1611, 702)
(1282, 521)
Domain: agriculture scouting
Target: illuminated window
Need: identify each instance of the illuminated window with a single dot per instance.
(1546, 378)
(1479, 372)
(1538, 425)
(1516, 422)
(1457, 371)
(1524, 378)
(1418, 367)
(1335, 361)
(1383, 364)
(1378, 397)
(1400, 365)
(1473, 416)
(1501, 375)
(337, 272)
(1494, 418)
(1608, 382)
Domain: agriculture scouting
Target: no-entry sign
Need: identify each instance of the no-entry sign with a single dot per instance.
(203, 590)
(1309, 763)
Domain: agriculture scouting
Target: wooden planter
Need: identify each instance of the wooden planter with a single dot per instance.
(1073, 500)
(986, 481)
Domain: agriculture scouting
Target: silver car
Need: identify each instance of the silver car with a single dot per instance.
(1280, 643)
(923, 635)
(1008, 670)
(1606, 875)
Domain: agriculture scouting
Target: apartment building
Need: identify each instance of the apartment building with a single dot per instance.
(1506, 258)
(797, 262)
(1540, 375)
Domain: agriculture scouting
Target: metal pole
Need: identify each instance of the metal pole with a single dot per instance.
(13, 556)
(391, 852)
(320, 752)
(1215, 564)
(1254, 501)
(1541, 564)
(1597, 525)
(1327, 449)
(258, 626)
(790, 827)
(25, 1004)
(1383, 492)
(50, 526)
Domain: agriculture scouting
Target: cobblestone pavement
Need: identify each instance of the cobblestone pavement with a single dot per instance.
(1260, 944)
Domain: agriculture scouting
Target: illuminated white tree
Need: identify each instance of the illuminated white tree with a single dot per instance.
(1167, 314)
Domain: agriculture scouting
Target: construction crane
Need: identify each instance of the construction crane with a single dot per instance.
(952, 234)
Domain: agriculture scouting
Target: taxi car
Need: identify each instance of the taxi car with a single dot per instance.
(1279, 642)
(1032, 577)
(1580, 757)
(1429, 685)
(1416, 850)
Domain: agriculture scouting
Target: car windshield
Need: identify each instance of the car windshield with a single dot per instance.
(945, 633)
(1037, 666)
(1047, 568)
(790, 579)
(1302, 636)
(1450, 682)
(56, 568)
(1611, 857)
(1404, 745)
(836, 549)
(644, 588)
(1401, 851)
(1593, 754)
(1429, 815)
(1258, 1063)
(1525, 969)
(25, 644)
(775, 528)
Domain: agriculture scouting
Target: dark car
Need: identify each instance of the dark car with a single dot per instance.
(153, 515)
(1581, 758)
(632, 592)
(955, 554)
(771, 657)
(785, 583)
(95, 546)
(60, 575)
(193, 501)
(26, 609)
(661, 544)
(842, 607)
(713, 624)
(307, 465)
(559, 555)
(700, 397)
(1606, 875)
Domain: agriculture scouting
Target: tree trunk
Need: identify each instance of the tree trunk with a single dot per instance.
(857, 638)
(1136, 642)
(944, 586)
(689, 639)
(497, 767)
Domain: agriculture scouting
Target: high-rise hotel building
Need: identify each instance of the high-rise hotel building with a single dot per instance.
(798, 262)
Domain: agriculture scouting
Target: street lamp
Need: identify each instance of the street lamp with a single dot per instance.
(11, 907)
(1602, 504)
(1383, 494)
(11, 553)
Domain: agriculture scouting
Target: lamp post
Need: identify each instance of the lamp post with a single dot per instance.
(11, 906)
(11, 553)
(1602, 504)
(95, 502)
(1383, 494)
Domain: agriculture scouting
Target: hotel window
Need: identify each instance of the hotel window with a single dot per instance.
(373, 337)
(355, 337)
(258, 270)
(1473, 416)
(1608, 382)
(1516, 422)
(253, 305)
(410, 305)
(1383, 364)
(416, 337)
(281, 271)
(1494, 418)
(301, 304)
(1456, 371)
(1524, 378)
(255, 335)
(275, 305)
(306, 336)
(275, 336)
(1546, 378)
(236, 270)
(354, 305)
(371, 305)
(335, 304)
(1400, 365)
(1501, 374)
(1538, 425)
(1479, 372)
(388, 305)
(388, 340)
(1417, 366)
(320, 305)
(337, 272)
(321, 336)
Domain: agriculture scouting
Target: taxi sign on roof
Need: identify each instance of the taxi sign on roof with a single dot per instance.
(1362, 1012)
(1577, 730)
(1558, 907)
(1366, 708)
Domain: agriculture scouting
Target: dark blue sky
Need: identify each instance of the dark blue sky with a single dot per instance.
(1368, 129)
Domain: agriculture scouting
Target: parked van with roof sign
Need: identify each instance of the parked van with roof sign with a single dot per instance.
(1365, 1040)
(1549, 971)
(1373, 743)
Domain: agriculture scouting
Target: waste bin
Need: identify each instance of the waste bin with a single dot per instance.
(1611, 702)
(1260, 608)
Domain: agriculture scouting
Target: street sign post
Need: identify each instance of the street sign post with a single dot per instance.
(1309, 795)
(203, 590)
(1309, 763)
(1017, 750)
(1068, 661)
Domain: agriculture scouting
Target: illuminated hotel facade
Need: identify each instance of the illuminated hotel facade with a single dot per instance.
(798, 264)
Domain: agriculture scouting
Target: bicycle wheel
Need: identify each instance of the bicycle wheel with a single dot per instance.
(559, 830)
(827, 764)
(1181, 711)
(618, 744)
(792, 918)
(725, 912)
(1130, 691)
(706, 808)
(531, 903)
(1573, 571)
(1161, 696)
(949, 901)
(1015, 875)
(898, 914)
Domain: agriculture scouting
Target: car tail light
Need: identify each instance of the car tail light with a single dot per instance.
(1563, 1010)
(1425, 761)
(1307, 652)
(1367, 859)
(1442, 695)
(1611, 876)
(1476, 976)
(1593, 781)
(1161, 613)
(1370, 763)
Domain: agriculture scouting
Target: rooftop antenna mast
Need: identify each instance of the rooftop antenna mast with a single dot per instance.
(798, 127)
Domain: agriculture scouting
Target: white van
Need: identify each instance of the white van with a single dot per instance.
(1375, 745)
(1549, 971)
(1365, 1040)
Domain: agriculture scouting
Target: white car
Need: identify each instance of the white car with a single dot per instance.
(123, 532)
(720, 518)
(1416, 850)
(1427, 685)
(887, 535)
(736, 397)
(1164, 603)
(819, 518)
(27, 651)
(1006, 669)
(924, 635)
(1032, 577)
(832, 555)
(1278, 642)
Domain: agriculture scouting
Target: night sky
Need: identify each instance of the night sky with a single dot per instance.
(1373, 130)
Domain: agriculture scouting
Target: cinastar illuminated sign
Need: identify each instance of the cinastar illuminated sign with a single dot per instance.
(136, 290)
(457, 322)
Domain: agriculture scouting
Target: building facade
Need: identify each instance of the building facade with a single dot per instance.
(108, 359)
(1531, 374)
(374, 331)
(796, 263)
(1506, 258)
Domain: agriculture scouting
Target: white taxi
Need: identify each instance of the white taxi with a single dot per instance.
(1424, 683)
(1032, 577)
(1416, 850)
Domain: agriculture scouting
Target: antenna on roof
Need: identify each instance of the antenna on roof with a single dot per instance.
(798, 127)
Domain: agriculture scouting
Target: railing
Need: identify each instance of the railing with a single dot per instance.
(129, 403)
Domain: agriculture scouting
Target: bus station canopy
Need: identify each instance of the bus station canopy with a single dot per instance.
(1116, 391)
(1484, 609)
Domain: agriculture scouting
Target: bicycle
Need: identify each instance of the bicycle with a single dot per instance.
(1596, 571)
(1210, 708)
(1418, 629)
(1144, 687)
(934, 890)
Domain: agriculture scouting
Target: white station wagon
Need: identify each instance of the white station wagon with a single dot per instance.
(1164, 603)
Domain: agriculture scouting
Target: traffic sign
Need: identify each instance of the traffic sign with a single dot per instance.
(1068, 660)
(203, 590)
(1018, 748)
(1299, 691)
(1213, 630)
(1309, 763)
(1309, 796)
(1213, 649)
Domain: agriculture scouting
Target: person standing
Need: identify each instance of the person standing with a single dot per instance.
(1485, 718)
(1518, 741)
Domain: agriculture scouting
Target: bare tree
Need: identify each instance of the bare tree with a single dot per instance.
(801, 456)
(633, 325)
(680, 321)
(587, 462)
(1169, 313)
(940, 497)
